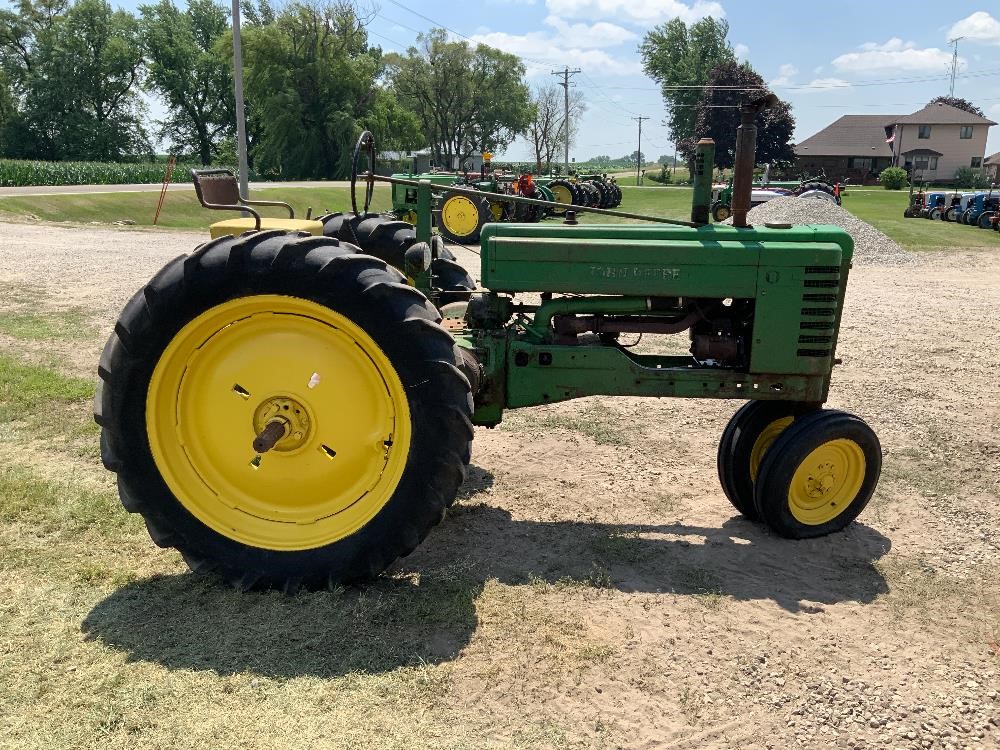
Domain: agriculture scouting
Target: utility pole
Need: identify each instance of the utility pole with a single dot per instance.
(638, 153)
(566, 73)
(241, 122)
(954, 62)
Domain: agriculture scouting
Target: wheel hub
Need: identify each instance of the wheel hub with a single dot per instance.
(826, 482)
(292, 415)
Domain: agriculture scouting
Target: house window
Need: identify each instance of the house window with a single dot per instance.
(977, 162)
(965, 132)
(920, 163)
(859, 162)
(924, 131)
(932, 163)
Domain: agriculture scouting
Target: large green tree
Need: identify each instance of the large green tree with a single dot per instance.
(680, 57)
(729, 85)
(189, 68)
(75, 74)
(313, 84)
(467, 99)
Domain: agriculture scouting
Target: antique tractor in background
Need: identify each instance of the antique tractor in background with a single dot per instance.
(291, 410)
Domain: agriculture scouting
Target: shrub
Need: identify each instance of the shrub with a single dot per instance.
(893, 178)
(967, 177)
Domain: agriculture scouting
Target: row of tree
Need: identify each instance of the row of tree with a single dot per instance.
(75, 78)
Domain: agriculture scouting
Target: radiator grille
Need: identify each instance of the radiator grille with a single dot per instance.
(817, 319)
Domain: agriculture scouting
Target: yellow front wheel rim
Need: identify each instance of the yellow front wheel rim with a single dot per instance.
(764, 441)
(496, 210)
(827, 481)
(562, 194)
(342, 408)
(460, 216)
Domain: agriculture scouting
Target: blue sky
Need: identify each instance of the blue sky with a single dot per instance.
(827, 58)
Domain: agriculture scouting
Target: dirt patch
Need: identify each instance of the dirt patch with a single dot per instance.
(591, 588)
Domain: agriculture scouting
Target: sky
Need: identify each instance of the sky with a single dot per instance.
(827, 59)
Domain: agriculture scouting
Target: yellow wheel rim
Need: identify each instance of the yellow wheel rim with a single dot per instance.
(723, 213)
(562, 194)
(496, 210)
(410, 217)
(767, 436)
(339, 402)
(827, 482)
(460, 215)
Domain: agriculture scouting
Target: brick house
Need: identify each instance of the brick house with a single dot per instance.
(931, 144)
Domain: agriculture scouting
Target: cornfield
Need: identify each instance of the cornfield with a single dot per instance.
(15, 173)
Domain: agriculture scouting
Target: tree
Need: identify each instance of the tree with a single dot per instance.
(467, 100)
(192, 72)
(311, 78)
(548, 129)
(676, 55)
(958, 102)
(718, 116)
(75, 75)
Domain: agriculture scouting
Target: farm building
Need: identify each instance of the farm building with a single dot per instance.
(931, 144)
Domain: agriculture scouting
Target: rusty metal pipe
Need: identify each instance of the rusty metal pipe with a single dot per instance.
(746, 152)
(273, 432)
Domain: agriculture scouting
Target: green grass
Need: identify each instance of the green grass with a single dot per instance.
(181, 209)
(882, 208)
(69, 325)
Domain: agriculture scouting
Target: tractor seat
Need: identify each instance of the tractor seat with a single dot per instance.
(218, 190)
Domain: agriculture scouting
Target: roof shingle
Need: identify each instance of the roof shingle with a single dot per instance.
(939, 114)
(851, 135)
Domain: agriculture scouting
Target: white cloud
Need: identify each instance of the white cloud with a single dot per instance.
(786, 73)
(637, 11)
(741, 51)
(584, 35)
(893, 55)
(823, 85)
(980, 26)
(541, 52)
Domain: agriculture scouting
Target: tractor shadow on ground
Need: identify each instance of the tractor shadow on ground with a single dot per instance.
(423, 611)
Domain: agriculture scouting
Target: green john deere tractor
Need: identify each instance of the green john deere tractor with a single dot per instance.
(290, 410)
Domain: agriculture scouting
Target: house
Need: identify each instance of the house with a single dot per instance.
(932, 144)
(992, 167)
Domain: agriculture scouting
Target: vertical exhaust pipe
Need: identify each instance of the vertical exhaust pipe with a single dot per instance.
(746, 153)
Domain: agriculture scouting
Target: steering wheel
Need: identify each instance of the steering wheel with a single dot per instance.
(366, 144)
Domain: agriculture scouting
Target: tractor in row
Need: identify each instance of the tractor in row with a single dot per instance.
(722, 194)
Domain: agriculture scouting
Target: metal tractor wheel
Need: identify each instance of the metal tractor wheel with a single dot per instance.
(463, 217)
(802, 471)
(744, 442)
(934, 214)
(284, 410)
(591, 195)
(985, 220)
(950, 214)
(820, 190)
(389, 239)
(721, 211)
(965, 216)
(565, 192)
(908, 212)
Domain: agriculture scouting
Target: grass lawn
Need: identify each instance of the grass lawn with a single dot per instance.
(882, 208)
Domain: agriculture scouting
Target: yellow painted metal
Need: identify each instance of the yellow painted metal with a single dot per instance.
(460, 215)
(243, 363)
(239, 226)
(410, 217)
(827, 482)
(496, 210)
(561, 193)
(767, 436)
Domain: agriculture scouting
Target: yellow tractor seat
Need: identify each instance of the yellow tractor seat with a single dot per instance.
(219, 190)
(239, 226)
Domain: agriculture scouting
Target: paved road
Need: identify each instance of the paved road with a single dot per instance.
(85, 189)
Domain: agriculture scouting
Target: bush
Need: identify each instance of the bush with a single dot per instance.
(967, 177)
(893, 178)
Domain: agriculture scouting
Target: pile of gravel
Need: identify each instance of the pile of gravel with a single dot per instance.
(871, 247)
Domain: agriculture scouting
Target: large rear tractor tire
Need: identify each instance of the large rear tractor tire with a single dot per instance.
(745, 441)
(463, 217)
(820, 190)
(985, 220)
(284, 410)
(817, 475)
